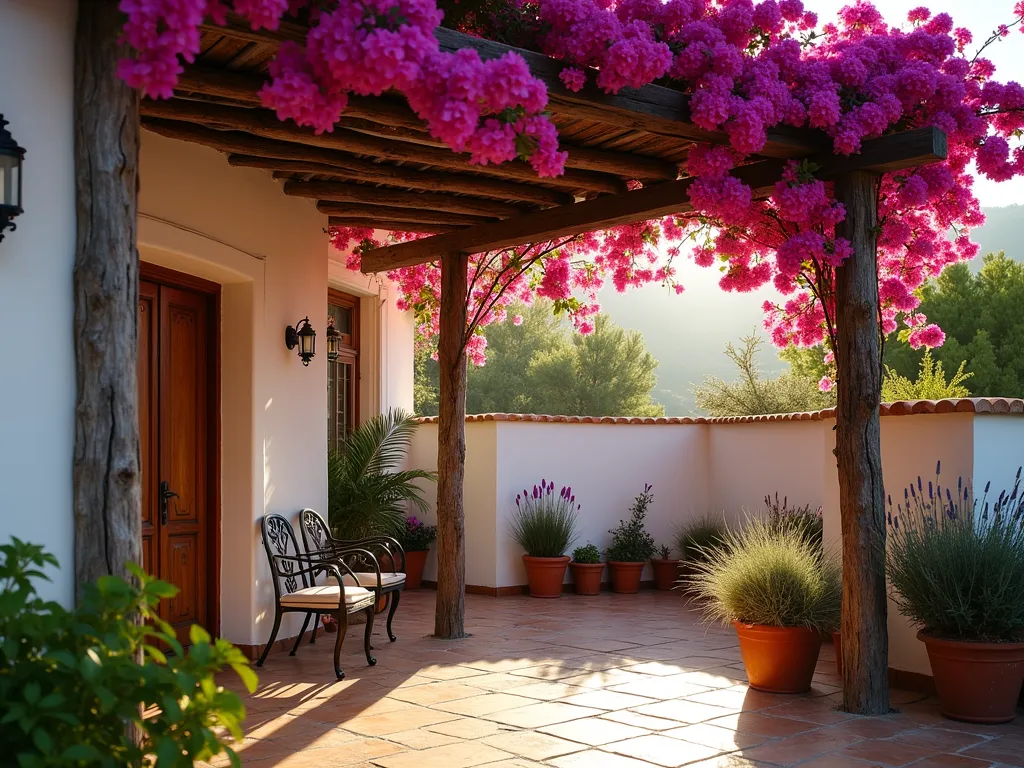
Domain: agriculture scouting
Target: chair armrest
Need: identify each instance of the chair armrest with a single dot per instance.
(387, 541)
(336, 557)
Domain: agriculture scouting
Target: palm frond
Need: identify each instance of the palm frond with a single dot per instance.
(380, 444)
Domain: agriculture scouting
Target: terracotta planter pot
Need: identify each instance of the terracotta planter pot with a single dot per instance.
(837, 643)
(330, 624)
(976, 682)
(586, 577)
(666, 572)
(779, 659)
(626, 577)
(545, 575)
(414, 562)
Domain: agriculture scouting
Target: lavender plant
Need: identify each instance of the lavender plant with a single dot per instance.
(805, 520)
(956, 562)
(544, 524)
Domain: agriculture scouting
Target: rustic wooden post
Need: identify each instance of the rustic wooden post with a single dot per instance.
(449, 615)
(107, 496)
(859, 454)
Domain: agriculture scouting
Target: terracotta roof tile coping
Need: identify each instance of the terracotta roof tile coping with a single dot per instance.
(981, 405)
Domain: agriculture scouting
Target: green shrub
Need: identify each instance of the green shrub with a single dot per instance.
(587, 554)
(631, 543)
(956, 564)
(544, 524)
(770, 576)
(699, 536)
(72, 681)
(665, 552)
(804, 520)
(417, 536)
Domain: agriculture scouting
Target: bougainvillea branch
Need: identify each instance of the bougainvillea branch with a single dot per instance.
(748, 67)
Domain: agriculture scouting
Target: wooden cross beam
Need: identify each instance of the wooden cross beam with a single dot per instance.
(881, 155)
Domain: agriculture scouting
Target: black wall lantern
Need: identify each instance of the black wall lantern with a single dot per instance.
(11, 157)
(333, 340)
(304, 337)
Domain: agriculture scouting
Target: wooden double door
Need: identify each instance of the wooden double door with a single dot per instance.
(177, 408)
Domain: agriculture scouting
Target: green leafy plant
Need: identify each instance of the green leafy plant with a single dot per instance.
(72, 681)
(769, 576)
(665, 552)
(805, 520)
(930, 384)
(588, 554)
(631, 543)
(544, 524)
(699, 536)
(956, 563)
(417, 536)
(366, 492)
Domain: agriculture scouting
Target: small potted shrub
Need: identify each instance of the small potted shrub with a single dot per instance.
(544, 524)
(586, 567)
(696, 538)
(632, 546)
(666, 568)
(416, 540)
(956, 569)
(780, 592)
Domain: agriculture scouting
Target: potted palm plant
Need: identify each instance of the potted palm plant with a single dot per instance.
(956, 569)
(544, 525)
(781, 592)
(631, 547)
(666, 568)
(586, 567)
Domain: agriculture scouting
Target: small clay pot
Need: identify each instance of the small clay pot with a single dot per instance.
(414, 562)
(545, 575)
(626, 577)
(330, 624)
(976, 682)
(666, 573)
(586, 577)
(779, 659)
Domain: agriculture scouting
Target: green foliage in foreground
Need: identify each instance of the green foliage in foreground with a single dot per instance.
(588, 554)
(71, 681)
(770, 576)
(930, 384)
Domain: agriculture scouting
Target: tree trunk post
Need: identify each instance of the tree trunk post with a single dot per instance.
(859, 454)
(107, 495)
(449, 616)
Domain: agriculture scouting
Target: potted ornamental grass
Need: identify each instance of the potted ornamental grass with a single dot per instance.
(956, 570)
(781, 592)
(632, 546)
(586, 568)
(416, 539)
(694, 540)
(544, 525)
(666, 568)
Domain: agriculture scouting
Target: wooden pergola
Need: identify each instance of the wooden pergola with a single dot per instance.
(380, 168)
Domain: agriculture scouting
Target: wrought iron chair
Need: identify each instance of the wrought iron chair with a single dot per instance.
(292, 568)
(316, 537)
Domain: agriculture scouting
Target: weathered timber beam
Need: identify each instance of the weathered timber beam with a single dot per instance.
(332, 191)
(393, 120)
(394, 213)
(391, 226)
(881, 155)
(265, 124)
(653, 108)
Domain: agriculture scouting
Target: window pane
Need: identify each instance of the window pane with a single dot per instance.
(342, 317)
(340, 383)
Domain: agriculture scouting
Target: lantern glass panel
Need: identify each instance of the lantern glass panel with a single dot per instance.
(10, 180)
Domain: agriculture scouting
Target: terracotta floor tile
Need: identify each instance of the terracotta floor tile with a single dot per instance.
(609, 700)
(801, 747)
(594, 731)
(485, 704)
(954, 761)
(547, 690)
(662, 750)
(453, 672)
(707, 679)
(998, 751)
(730, 761)
(763, 725)
(647, 722)
(604, 678)
(941, 739)
(421, 738)
(879, 728)
(464, 755)
(532, 745)
(468, 728)
(739, 698)
(549, 672)
(683, 711)
(396, 722)
(887, 752)
(594, 759)
(837, 761)
(673, 687)
(722, 739)
(661, 669)
(538, 715)
(595, 644)
(434, 693)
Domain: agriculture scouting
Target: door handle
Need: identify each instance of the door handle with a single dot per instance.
(166, 494)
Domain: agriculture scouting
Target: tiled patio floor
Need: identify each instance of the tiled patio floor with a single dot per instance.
(614, 681)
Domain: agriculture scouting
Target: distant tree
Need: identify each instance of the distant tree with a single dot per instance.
(930, 384)
(806, 362)
(606, 373)
(425, 382)
(983, 319)
(752, 394)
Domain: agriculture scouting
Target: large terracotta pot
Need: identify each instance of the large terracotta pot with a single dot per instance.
(837, 644)
(545, 575)
(587, 577)
(976, 682)
(414, 562)
(626, 577)
(665, 572)
(779, 659)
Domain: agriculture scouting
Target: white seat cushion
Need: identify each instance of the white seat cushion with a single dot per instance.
(370, 579)
(327, 598)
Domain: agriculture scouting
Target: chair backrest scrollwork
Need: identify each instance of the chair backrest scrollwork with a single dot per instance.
(279, 540)
(316, 536)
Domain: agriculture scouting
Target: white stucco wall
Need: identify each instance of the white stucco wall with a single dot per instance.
(37, 388)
